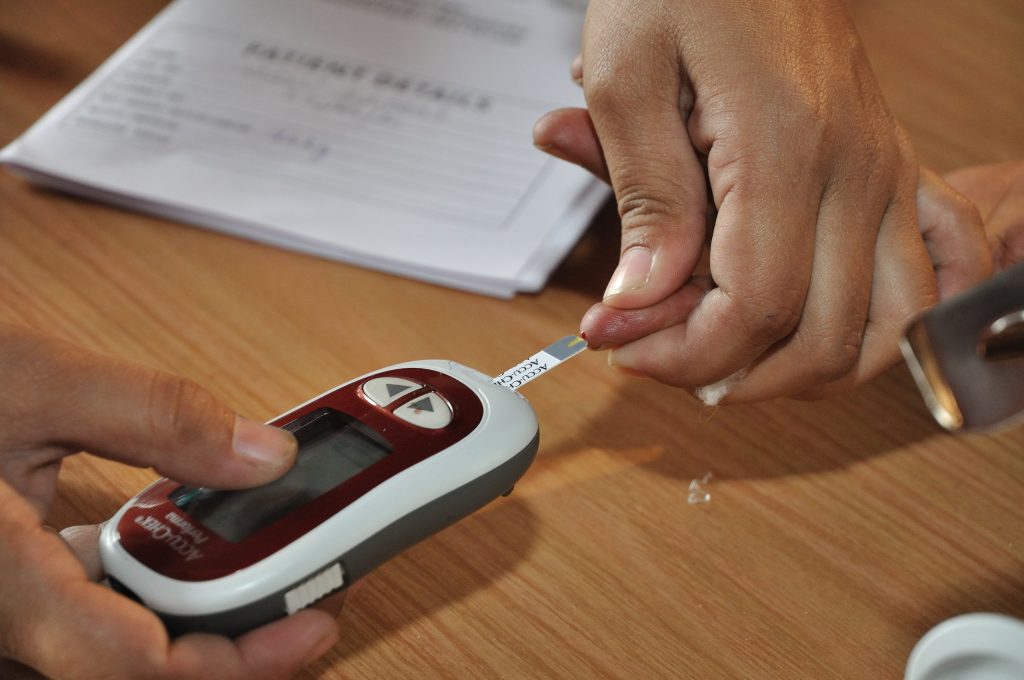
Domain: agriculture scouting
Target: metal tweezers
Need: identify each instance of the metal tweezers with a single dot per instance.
(967, 355)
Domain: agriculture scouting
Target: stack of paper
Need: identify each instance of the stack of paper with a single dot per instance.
(394, 134)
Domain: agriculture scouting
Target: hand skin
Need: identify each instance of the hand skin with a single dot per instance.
(755, 128)
(997, 189)
(59, 399)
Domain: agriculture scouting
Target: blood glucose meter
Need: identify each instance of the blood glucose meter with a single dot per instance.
(384, 461)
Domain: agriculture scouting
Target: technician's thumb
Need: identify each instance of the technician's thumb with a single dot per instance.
(659, 183)
(184, 432)
(662, 206)
(76, 399)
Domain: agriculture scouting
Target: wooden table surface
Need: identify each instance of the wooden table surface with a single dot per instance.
(837, 534)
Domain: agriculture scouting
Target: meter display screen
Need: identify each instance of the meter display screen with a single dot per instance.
(333, 448)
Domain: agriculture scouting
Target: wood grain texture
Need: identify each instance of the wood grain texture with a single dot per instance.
(838, 531)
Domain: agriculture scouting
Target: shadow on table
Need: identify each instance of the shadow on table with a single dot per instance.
(771, 439)
(18, 54)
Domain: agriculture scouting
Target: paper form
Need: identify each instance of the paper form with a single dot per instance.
(390, 133)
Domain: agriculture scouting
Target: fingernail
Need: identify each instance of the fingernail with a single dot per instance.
(263, 445)
(551, 150)
(619, 360)
(633, 272)
(542, 135)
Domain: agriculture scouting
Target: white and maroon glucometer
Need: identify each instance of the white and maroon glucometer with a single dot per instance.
(384, 461)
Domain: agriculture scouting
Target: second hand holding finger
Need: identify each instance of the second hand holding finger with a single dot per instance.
(802, 156)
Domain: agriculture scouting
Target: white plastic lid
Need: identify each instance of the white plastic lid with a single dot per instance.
(970, 647)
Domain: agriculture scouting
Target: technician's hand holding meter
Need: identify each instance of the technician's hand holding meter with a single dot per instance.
(384, 461)
(59, 399)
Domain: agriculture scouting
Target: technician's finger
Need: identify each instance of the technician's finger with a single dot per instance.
(826, 345)
(84, 542)
(306, 636)
(954, 235)
(51, 617)
(333, 605)
(997, 190)
(82, 630)
(277, 650)
(136, 415)
(903, 286)
(632, 83)
(569, 134)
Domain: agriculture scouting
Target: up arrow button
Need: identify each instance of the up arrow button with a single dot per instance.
(383, 391)
(395, 389)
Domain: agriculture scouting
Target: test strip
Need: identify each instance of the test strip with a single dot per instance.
(541, 362)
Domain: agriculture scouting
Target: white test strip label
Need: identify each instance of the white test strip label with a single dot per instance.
(541, 362)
